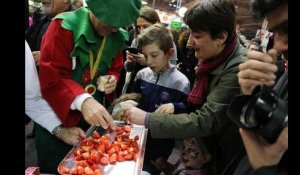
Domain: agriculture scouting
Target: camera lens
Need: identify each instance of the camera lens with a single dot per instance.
(248, 117)
(262, 112)
(265, 113)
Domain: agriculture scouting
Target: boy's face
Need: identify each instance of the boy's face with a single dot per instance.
(156, 59)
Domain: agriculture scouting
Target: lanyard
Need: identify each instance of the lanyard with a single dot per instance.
(93, 67)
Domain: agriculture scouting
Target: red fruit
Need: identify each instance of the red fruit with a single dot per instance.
(95, 167)
(124, 147)
(80, 170)
(111, 151)
(77, 151)
(86, 148)
(101, 148)
(98, 172)
(85, 155)
(117, 148)
(73, 170)
(128, 156)
(88, 171)
(120, 158)
(95, 157)
(104, 160)
(77, 158)
(127, 128)
(82, 163)
(113, 158)
(136, 138)
(63, 170)
(131, 149)
(107, 146)
(96, 135)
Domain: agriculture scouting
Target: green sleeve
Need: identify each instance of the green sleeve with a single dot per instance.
(206, 120)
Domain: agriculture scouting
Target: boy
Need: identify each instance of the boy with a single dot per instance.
(159, 83)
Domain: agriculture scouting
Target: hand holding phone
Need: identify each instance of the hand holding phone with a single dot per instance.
(132, 50)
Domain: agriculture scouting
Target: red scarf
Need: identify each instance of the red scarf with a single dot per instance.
(198, 94)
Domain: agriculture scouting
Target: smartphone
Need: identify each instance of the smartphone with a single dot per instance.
(132, 50)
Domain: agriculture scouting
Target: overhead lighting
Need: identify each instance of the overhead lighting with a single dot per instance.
(182, 11)
(144, 2)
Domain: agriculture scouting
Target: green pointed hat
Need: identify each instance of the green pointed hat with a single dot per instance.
(117, 13)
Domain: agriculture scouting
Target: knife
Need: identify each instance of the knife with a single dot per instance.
(112, 136)
(113, 133)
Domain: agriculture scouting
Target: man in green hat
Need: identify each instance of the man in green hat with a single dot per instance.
(78, 48)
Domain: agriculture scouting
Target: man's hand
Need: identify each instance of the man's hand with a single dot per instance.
(36, 56)
(95, 114)
(71, 135)
(111, 85)
(135, 115)
(259, 69)
(165, 108)
(261, 153)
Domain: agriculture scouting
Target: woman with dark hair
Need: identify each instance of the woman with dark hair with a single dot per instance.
(135, 62)
(212, 25)
(187, 62)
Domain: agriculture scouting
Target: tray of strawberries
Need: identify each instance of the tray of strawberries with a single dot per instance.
(107, 153)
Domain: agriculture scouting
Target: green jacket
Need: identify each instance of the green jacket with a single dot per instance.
(211, 118)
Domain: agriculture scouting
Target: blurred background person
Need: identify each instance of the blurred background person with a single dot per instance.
(254, 44)
(35, 33)
(77, 3)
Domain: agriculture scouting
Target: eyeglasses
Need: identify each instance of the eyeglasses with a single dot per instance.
(281, 28)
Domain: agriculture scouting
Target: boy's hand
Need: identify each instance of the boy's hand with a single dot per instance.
(165, 108)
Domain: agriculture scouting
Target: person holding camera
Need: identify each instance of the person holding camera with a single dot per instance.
(264, 157)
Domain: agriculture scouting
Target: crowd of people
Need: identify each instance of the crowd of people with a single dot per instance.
(186, 84)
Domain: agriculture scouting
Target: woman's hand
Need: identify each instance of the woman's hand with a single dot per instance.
(135, 115)
(139, 58)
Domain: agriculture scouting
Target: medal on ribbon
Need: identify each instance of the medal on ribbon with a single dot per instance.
(88, 76)
(90, 88)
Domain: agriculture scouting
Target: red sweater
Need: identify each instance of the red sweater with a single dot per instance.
(55, 73)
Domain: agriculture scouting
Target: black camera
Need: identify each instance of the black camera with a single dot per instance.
(262, 112)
